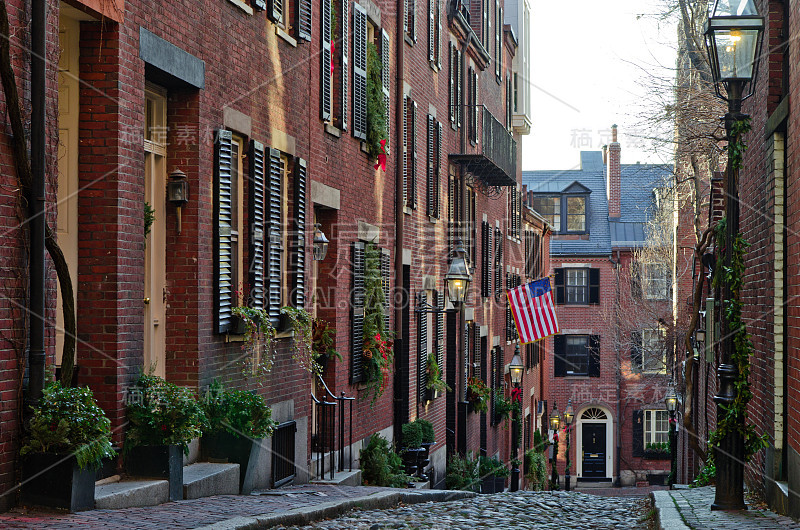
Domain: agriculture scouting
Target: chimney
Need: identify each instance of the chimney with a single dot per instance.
(613, 175)
(525, 195)
(605, 155)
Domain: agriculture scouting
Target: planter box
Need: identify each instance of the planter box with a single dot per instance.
(56, 481)
(158, 461)
(223, 447)
(412, 460)
(656, 455)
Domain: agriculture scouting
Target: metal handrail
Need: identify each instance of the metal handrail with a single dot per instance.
(329, 399)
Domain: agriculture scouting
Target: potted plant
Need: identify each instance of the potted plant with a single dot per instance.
(502, 407)
(68, 438)
(412, 449)
(493, 475)
(323, 337)
(478, 394)
(462, 473)
(164, 418)
(236, 421)
(435, 386)
(380, 466)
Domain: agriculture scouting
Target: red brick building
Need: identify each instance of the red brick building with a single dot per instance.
(264, 107)
(613, 356)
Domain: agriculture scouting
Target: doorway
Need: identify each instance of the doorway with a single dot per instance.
(594, 433)
(155, 196)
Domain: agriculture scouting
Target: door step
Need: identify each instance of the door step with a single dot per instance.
(130, 494)
(205, 479)
(341, 478)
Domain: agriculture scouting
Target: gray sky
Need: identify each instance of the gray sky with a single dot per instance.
(589, 63)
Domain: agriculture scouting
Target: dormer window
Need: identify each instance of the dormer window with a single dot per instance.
(576, 214)
(550, 209)
(565, 211)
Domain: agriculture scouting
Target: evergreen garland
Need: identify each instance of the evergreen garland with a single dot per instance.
(376, 110)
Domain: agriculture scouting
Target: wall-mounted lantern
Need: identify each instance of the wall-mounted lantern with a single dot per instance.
(178, 192)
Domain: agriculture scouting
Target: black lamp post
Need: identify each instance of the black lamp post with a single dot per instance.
(569, 414)
(515, 370)
(555, 422)
(671, 400)
(733, 38)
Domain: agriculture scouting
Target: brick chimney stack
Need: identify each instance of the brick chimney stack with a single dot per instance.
(613, 175)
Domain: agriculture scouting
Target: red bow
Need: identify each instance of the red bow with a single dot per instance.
(382, 157)
(516, 394)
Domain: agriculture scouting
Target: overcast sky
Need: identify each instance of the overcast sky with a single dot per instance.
(590, 68)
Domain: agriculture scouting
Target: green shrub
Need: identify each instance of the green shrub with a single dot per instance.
(462, 474)
(412, 435)
(491, 467)
(427, 430)
(237, 412)
(380, 465)
(540, 443)
(535, 469)
(502, 406)
(68, 420)
(707, 475)
(162, 413)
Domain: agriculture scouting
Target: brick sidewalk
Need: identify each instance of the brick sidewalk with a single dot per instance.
(694, 508)
(188, 514)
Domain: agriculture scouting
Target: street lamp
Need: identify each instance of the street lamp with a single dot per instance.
(320, 244)
(569, 414)
(733, 38)
(458, 277)
(515, 370)
(555, 421)
(671, 401)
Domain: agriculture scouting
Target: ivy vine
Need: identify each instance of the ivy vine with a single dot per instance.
(376, 109)
(733, 417)
(736, 146)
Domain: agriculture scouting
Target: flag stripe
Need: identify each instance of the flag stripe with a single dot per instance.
(533, 310)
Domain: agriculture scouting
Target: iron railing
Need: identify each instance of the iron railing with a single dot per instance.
(330, 417)
(491, 151)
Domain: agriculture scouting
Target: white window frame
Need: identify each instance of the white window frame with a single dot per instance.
(655, 281)
(575, 291)
(656, 427)
(653, 343)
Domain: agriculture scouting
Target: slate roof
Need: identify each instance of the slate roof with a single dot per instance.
(636, 203)
(591, 175)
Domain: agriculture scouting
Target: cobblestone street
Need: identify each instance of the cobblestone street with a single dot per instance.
(525, 509)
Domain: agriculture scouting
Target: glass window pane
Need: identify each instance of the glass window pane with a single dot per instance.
(576, 214)
(550, 209)
(577, 355)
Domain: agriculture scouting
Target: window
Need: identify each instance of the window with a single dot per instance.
(486, 262)
(648, 353)
(472, 109)
(656, 427)
(434, 166)
(278, 11)
(237, 171)
(655, 285)
(576, 214)
(410, 153)
(410, 24)
(576, 355)
(434, 34)
(326, 77)
(455, 87)
(577, 286)
(550, 209)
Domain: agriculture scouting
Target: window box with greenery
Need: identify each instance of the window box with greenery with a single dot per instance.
(478, 394)
(657, 451)
(68, 438)
(502, 407)
(376, 107)
(237, 421)
(163, 418)
(435, 385)
(323, 337)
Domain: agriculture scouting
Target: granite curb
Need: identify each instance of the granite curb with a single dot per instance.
(668, 517)
(327, 510)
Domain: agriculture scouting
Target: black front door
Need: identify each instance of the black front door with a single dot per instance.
(594, 450)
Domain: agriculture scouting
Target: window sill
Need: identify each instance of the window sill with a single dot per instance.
(407, 210)
(279, 31)
(364, 147)
(287, 334)
(241, 5)
(433, 220)
(408, 39)
(333, 131)
(234, 338)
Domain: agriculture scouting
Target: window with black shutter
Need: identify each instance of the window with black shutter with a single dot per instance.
(452, 70)
(298, 260)
(326, 74)
(476, 350)
(386, 279)
(422, 350)
(410, 153)
(638, 433)
(256, 215)
(594, 286)
(386, 79)
(410, 24)
(304, 23)
(359, 72)
(492, 381)
(498, 262)
(438, 340)
(341, 46)
(486, 259)
(498, 40)
(224, 261)
(431, 166)
(459, 86)
(594, 356)
(274, 233)
(559, 356)
(275, 12)
(560, 287)
(358, 256)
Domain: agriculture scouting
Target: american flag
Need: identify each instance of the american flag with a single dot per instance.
(532, 307)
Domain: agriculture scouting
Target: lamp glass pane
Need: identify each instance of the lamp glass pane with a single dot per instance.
(736, 50)
(455, 290)
(734, 8)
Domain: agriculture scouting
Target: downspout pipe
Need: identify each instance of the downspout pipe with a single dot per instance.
(398, 195)
(36, 362)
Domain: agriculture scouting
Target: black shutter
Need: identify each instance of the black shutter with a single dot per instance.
(326, 76)
(223, 244)
(486, 265)
(386, 79)
(344, 47)
(257, 298)
(437, 181)
(299, 250)
(422, 351)
(304, 19)
(492, 379)
(498, 262)
(431, 31)
(594, 355)
(406, 153)
(594, 286)
(638, 433)
(273, 228)
(476, 349)
(359, 72)
(636, 280)
(452, 59)
(413, 157)
(439, 337)
(498, 31)
(275, 10)
(386, 279)
(465, 358)
(636, 351)
(431, 162)
(357, 314)
(561, 297)
(559, 356)
(459, 81)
